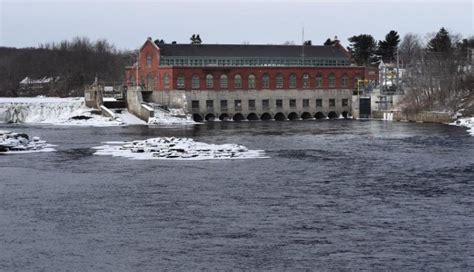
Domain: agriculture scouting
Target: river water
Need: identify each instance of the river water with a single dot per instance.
(334, 194)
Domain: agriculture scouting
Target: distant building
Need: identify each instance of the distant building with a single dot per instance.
(389, 74)
(29, 83)
(249, 81)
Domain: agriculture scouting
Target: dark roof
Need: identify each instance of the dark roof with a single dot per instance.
(243, 50)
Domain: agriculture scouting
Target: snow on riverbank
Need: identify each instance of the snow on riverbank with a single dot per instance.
(173, 117)
(59, 111)
(171, 120)
(176, 149)
(19, 143)
(465, 122)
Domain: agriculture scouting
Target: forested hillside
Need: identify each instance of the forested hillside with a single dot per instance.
(75, 62)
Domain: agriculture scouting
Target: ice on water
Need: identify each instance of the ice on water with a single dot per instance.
(15, 143)
(466, 122)
(177, 149)
(72, 112)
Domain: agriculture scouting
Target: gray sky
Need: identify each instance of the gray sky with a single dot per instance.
(128, 23)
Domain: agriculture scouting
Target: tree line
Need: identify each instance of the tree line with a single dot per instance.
(77, 63)
(437, 73)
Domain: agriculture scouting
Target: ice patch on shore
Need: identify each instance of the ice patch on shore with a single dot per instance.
(465, 122)
(59, 111)
(171, 120)
(173, 117)
(176, 149)
(20, 143)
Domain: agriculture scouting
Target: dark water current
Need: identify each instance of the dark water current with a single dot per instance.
(334, 195)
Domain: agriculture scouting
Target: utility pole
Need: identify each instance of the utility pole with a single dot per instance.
(398, 72)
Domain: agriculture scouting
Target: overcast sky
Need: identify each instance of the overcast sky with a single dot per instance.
(128, 23)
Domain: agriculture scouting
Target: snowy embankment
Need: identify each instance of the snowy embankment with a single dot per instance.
(465, 122)
(173, 117)
(176, 149)
(58, 111)
(18, 143)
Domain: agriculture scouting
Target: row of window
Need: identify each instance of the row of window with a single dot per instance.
(190, 61)
(251, 81)
(266, 104)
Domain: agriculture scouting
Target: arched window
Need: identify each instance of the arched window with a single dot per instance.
(150, 82)
(279, 81)
(292, 81)
(265, 81)
(166, 81)
(319, 81)
(237, 81)
(180, 82)
(149, 58)
(224, 83)
(195, 82)
(209, 81)
(332, 80)
(344, 81)
(251, 82)
(305, 81)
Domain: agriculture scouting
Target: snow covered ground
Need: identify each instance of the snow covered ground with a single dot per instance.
(19, 143)
(465, 122)
(176, 149)
(59, 111)
(171, 118)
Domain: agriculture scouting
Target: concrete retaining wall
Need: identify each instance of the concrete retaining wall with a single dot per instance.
(177, 98)
(425, 116)
(106, 112)
(136, 105)
(93, 96)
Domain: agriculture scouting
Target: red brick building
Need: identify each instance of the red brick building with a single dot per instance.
(183, 63)
(237, 68)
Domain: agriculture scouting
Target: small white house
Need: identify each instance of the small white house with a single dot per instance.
(30, 83)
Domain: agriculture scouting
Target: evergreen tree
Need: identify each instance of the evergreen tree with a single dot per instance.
(441, 43)
(329, 42)
(308, 42)
(362, 48)
(158, 41)
(387, 48)
(195, 39)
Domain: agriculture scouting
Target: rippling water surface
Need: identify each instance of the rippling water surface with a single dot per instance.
(333, 195)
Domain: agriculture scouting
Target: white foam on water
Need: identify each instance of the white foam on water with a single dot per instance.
(29, 151)
(59, 111)
(64, 112)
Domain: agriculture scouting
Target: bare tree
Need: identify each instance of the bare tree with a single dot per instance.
(410, 49)
(437, 76)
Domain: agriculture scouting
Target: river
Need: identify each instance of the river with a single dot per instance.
(334, 194)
